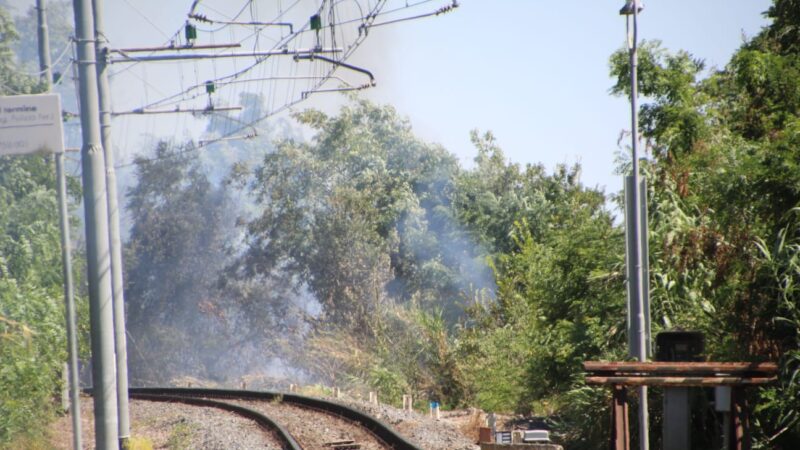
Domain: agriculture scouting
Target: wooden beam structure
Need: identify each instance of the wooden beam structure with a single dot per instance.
(738, 375)
(682, 368)
(709, 381)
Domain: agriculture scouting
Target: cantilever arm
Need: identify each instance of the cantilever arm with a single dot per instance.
(312, 57)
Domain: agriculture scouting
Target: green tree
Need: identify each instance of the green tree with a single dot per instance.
(361, 212)
(558, 271)
(32, 337)
(174, 256)
(362, 218)
(725, 181)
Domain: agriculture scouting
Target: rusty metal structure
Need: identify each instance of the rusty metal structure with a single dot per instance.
(737, 375)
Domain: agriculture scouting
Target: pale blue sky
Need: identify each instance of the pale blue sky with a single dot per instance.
(535, 73)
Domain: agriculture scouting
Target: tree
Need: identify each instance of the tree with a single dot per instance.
(174, 256)
(59, 30)
(557, 263)
(725, 183)
(361, 213)
(32, 326)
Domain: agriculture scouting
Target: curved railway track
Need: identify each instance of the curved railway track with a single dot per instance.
(215, 397)
(268, 424)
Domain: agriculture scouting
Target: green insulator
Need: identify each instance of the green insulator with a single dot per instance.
(191, 32)
(316, 22)
(210, 87)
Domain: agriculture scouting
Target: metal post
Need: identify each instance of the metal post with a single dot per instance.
(72, 337)
(637, 253)
(120, 345)
(97, 246)
(66, 258)
(676, 425)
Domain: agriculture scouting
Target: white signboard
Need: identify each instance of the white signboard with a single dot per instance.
(31, 124)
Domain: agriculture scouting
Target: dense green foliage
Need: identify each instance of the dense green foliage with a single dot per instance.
(32, 336)
(362, 219)
(32, 339)
(725, 182)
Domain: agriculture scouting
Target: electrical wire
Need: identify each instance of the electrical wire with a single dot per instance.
(155, 27)
(323, 72)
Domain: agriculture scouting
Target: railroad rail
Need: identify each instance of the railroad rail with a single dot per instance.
(200, 395)
(268, 424)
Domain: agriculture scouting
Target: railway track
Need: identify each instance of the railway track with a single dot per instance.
(286, 440)
(232, 400)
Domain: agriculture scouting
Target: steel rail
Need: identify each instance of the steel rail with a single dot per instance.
(287, 441)
(378, 428)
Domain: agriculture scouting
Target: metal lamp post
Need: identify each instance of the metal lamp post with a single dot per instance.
(638, 296)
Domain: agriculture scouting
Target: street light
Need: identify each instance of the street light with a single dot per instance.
(639, 304)
(627, 10)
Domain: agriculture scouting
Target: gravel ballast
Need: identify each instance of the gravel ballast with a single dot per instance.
(313, 429)
(175, 425)
(426, 432)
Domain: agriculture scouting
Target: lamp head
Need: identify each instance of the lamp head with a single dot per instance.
(627, 10)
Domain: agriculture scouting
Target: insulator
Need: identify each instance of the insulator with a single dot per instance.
(316, 22)
(191, 32)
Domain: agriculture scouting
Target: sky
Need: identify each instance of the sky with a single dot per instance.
(536, 73)
(533, 73)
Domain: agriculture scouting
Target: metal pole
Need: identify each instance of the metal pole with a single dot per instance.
(97, 246)
(644, 438)
(120, 345)
(66, 258)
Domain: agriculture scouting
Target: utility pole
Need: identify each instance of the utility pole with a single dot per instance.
(97, 246)
(640, 300)
(66, 258)
(120, 345)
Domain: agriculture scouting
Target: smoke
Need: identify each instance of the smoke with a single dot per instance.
(192, 316)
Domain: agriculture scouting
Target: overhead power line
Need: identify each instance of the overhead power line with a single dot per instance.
(325, 37)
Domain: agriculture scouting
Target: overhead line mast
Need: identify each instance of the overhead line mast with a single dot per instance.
(115, 241)
(97, 243)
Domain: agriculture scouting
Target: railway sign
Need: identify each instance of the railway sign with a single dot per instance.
(31, 124)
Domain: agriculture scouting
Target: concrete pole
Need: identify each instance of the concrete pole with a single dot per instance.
(120, 344)
(644, 434)
(72, 338)
(97, 248)
(66, 257)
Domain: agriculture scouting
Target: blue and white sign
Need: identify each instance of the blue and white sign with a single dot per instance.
(31, 124)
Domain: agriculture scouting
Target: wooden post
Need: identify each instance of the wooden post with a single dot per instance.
(740, 423)
(620, 437)
(337, 392)
(408, 402)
